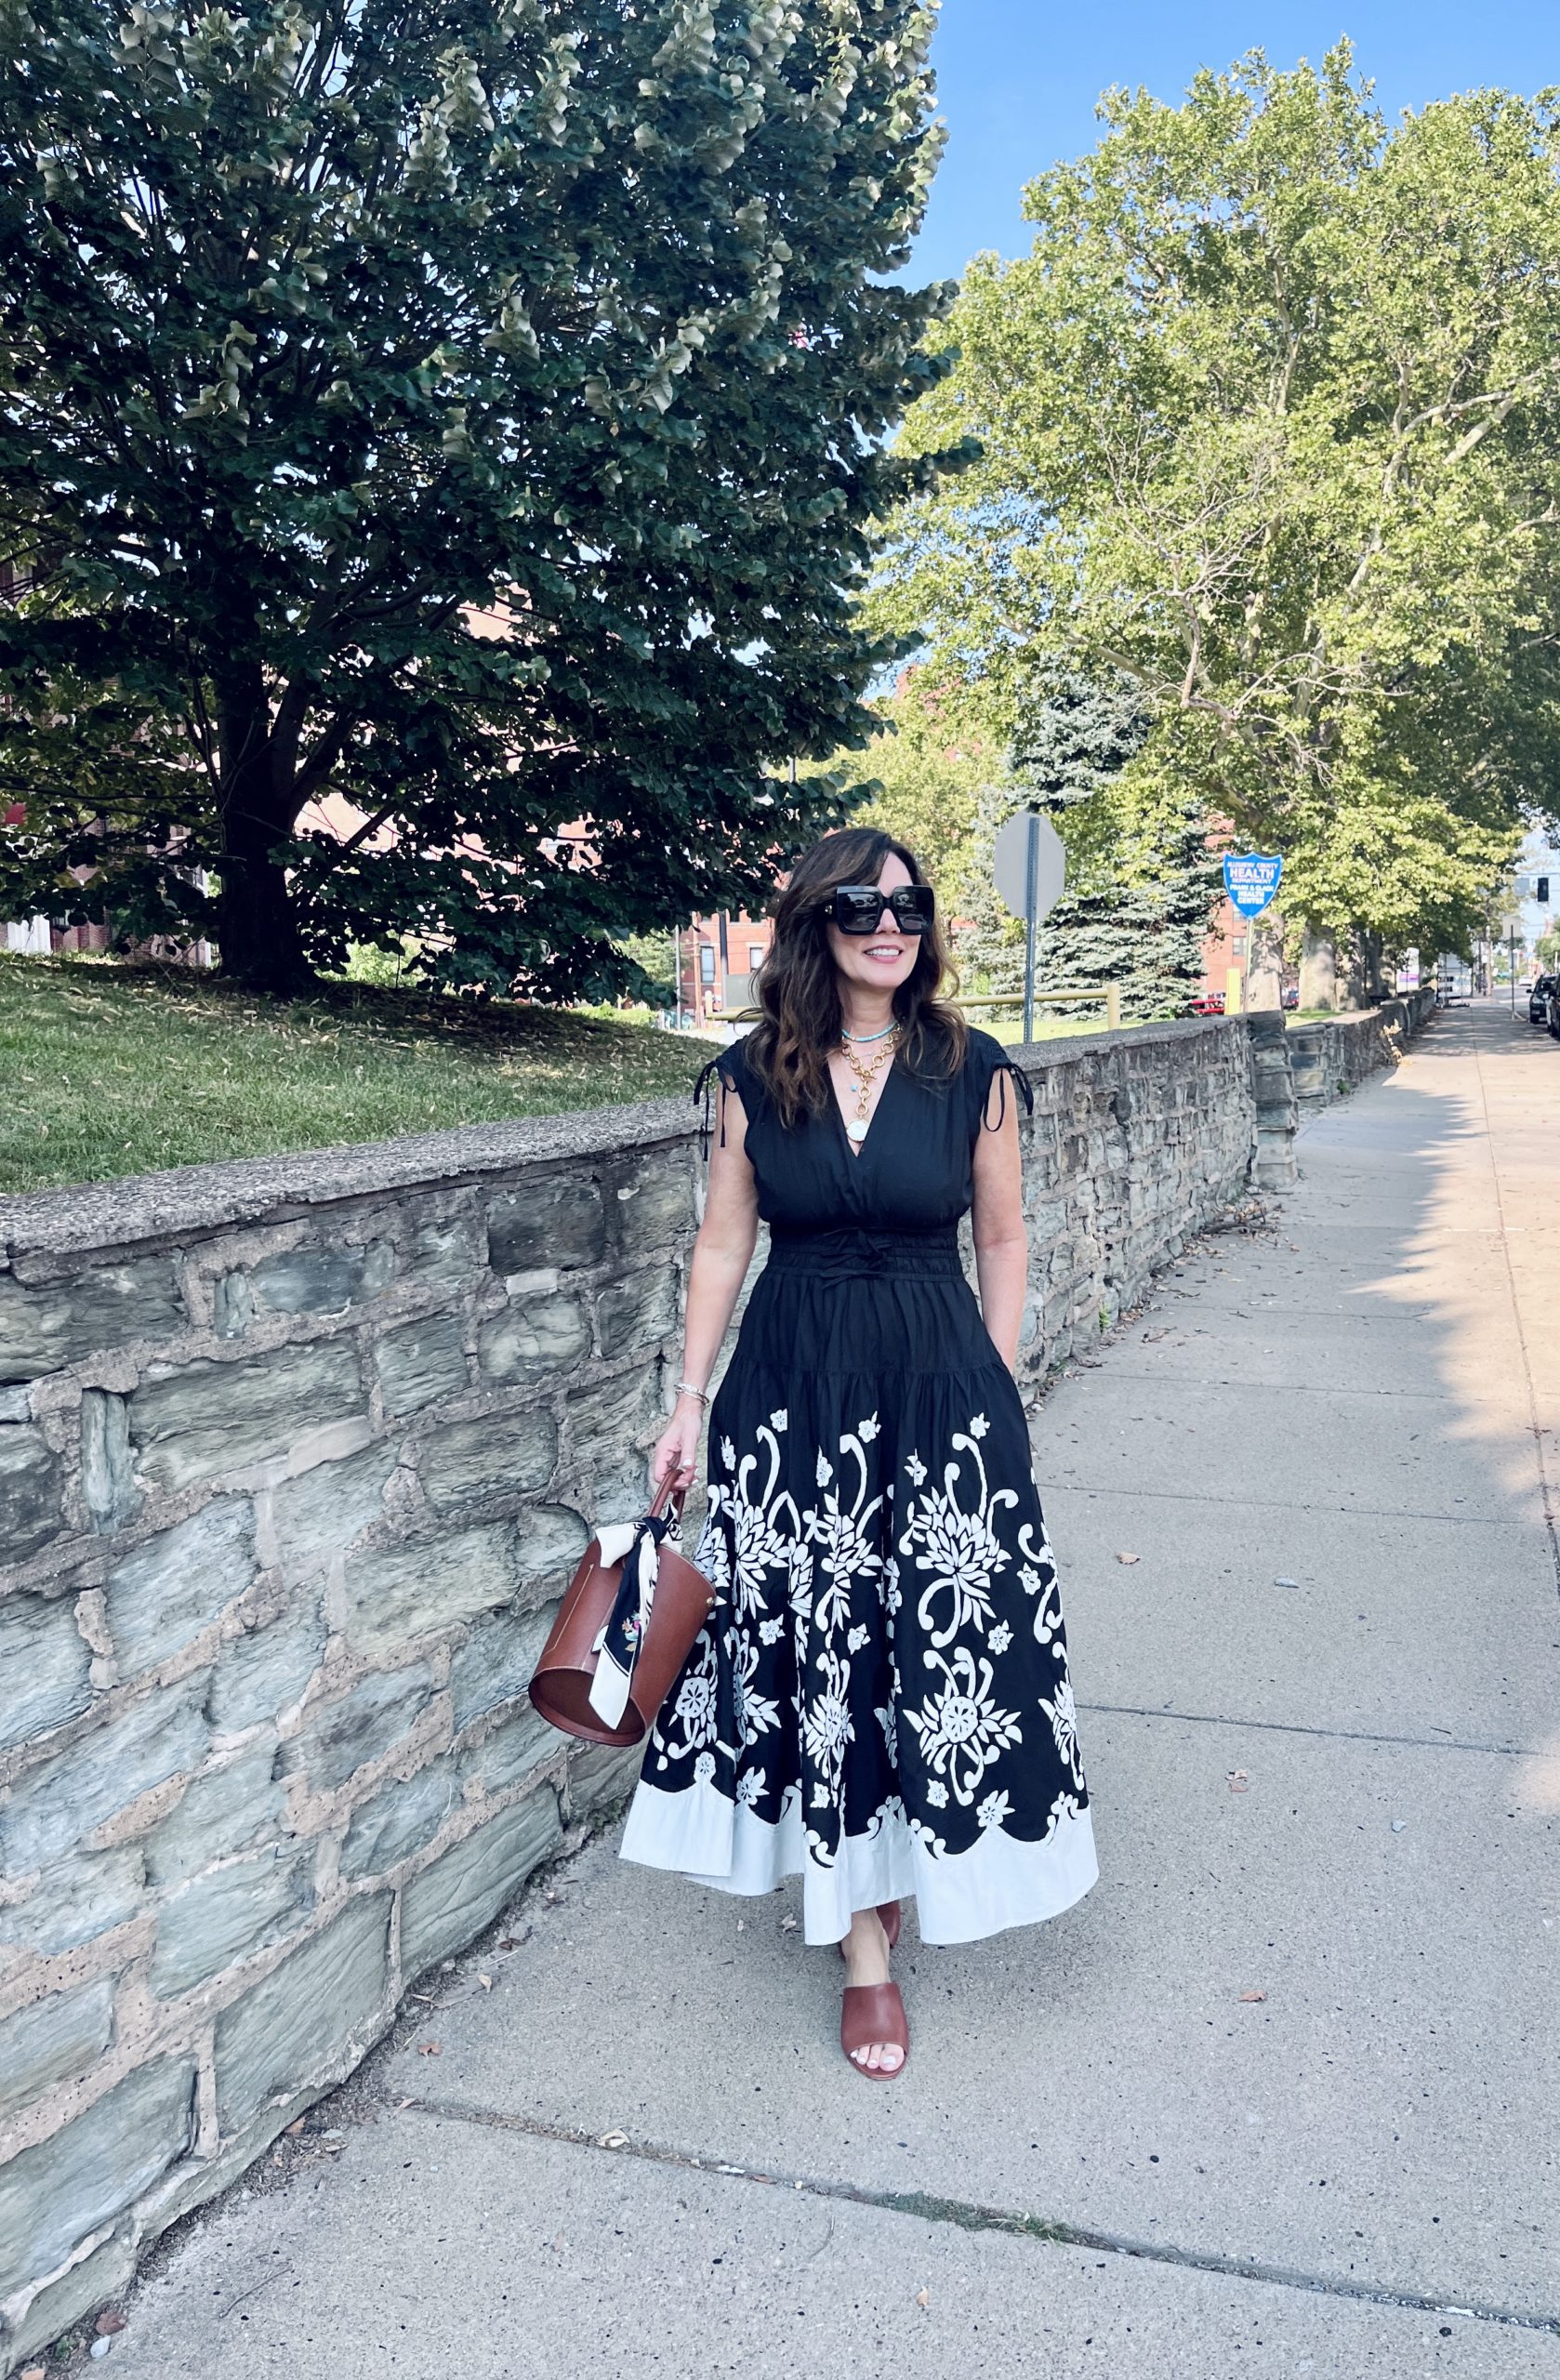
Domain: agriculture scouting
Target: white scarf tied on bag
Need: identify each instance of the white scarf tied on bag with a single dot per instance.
(637, 1544)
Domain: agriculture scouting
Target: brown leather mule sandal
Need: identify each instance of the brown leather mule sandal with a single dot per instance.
(874, 2012)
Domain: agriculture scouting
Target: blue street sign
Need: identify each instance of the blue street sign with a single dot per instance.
(1251, 881)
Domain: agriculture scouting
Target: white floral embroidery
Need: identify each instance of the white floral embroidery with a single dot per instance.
(993, 1809)
(937, 1795)
(856, 1639)
(916, 1468)
(750, 1788)
(728, 1453)
(866, 1430)
(704, 1768)
(780, 1420)
(961, 1730)
(1001, 1638)
(826, 1470)
(770, 1631)
(978, 1426)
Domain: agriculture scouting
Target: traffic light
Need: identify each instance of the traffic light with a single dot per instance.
(1542, 889)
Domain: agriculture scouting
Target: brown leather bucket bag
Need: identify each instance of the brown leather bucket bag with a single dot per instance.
(681, 1602)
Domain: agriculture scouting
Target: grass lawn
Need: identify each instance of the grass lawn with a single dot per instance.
(111, 1070)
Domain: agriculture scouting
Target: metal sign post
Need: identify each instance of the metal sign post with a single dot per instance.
(1029, 866)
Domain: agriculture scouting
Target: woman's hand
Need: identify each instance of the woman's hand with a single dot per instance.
(677, 1448)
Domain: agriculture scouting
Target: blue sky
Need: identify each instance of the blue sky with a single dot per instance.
(1018, 79)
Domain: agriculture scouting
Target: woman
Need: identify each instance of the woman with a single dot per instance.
(882, 1699)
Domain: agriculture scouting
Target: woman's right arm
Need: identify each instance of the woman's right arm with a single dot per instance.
(722, 1252)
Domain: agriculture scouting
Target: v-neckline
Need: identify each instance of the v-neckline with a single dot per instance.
(856, 1150)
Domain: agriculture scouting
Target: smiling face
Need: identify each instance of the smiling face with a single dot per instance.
(880, 961)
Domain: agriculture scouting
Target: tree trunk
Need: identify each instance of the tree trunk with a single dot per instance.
(1351, 988)
(1264, 964)
(1370, 951)
(258, 934)
(1319, 969)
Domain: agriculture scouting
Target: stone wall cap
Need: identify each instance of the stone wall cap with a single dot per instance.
(189, 1199)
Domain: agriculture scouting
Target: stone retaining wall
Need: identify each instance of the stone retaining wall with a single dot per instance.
(294, 1455)
(1332, 1057)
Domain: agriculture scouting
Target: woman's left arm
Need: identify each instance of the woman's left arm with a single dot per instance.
(1001, 1243)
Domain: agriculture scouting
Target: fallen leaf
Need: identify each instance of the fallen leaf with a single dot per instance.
(34, 2372)
(1253, 1995)
(1239, 1782)
(486, 1982)
(430, 2049)
(294, 2129)
(109, 2321)
(788, 1925)
(404, 2103)
(1128, 1558)
(923, 2299)
(613, 2141)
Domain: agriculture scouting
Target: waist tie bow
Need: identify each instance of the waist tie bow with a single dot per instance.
(637, 1544)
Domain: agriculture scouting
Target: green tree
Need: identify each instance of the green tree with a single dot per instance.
(477, 411)
(928, 760)
(1271, 425)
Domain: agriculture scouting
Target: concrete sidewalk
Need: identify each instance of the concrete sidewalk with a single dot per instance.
(638, 2148)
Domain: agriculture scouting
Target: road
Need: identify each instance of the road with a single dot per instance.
(1279, 2096)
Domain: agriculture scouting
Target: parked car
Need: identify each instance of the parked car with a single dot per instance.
(1290, 995)
(1208, 1004)
(1552, 1014)
(1539, 999)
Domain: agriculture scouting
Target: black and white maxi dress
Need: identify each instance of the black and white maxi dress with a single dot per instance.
(881, 1700)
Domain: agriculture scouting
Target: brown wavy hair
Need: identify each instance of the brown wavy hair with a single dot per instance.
(799, 991)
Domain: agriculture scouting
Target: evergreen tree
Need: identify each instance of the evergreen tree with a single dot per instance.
(476, 411)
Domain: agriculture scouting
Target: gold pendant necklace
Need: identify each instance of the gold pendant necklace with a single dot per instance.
(865, 1072)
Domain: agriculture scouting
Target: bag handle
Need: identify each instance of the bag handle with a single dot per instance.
(669, 1492)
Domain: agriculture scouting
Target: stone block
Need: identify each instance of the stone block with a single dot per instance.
(421, 1362)
(222, 1917)
(43, 1666)
(107, 1473)
(447, 1905)
(322, 1280)
(54, 2040)
(401, 1817)
(558, 1219)
(207, 1418)
(495, 1663)
(81, 1894)
(293, 2027)
(323, 1510)
(549, 1541)
(267, 1671)
(110, 1767)
(502, 1454)
(222, 1811)
(339, 1738)
(599, 1774)
(637, 1312)
(30, 1480)
(513, 1752)
(52, 2196)
(176, 1584)
(412, 1591)
(46, 1325)
(650, 1200)
(16, 1403)
(534, 1335)
(607, 1416)
(444, 1251)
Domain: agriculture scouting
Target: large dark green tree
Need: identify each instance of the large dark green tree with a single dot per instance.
(475, 410)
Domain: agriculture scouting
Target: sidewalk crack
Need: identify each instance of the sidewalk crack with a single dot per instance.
(967, 2214)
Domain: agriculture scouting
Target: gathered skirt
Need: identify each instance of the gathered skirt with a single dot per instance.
(881, 1702)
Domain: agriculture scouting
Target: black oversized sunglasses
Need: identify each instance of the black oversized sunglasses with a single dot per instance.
(856, 909)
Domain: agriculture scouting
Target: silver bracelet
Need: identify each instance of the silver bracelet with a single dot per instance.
(686, 1388)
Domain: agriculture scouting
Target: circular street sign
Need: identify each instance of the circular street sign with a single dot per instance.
(1010, 865)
